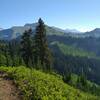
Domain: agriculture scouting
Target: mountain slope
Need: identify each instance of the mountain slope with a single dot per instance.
(42, 86)
(93, 33)
(71, 50)
(68, 56)
(17, 31)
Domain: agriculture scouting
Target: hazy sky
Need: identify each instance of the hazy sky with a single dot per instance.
(83, 15)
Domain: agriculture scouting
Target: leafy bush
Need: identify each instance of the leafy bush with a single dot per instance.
(36, 85)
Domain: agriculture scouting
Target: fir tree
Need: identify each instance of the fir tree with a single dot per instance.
(42, 53)
(82, 81)
(6, 54)
(67, 75)
(26, 48)
(11, 53)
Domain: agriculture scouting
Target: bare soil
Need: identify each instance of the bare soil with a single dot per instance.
(8, 90)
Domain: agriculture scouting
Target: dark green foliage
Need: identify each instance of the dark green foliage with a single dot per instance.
(27, 48)
(67, 75)
(72, 50)
(82, 81)
(12, 52)
(9, 53)
(89, 63)
(42, 53)
(34, 50)
(6, 54)
(30, 50)
(83, 84)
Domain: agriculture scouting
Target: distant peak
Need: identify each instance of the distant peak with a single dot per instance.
(30, 24)
(96, 30)
(1, 29)
(72, 30)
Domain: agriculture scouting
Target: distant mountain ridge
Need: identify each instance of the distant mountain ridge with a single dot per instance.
(93, 33)
(1, 29)
(16, 31)
(72, 31)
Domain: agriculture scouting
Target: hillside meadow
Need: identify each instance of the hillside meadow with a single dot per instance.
(37, 85)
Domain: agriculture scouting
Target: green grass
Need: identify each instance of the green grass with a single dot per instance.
(37, 85)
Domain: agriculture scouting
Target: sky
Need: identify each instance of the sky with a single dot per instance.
(83, 15)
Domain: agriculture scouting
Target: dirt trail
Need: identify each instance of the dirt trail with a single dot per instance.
(7, 90)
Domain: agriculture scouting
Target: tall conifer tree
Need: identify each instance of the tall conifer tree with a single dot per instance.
(26, 48)
(42, 53)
